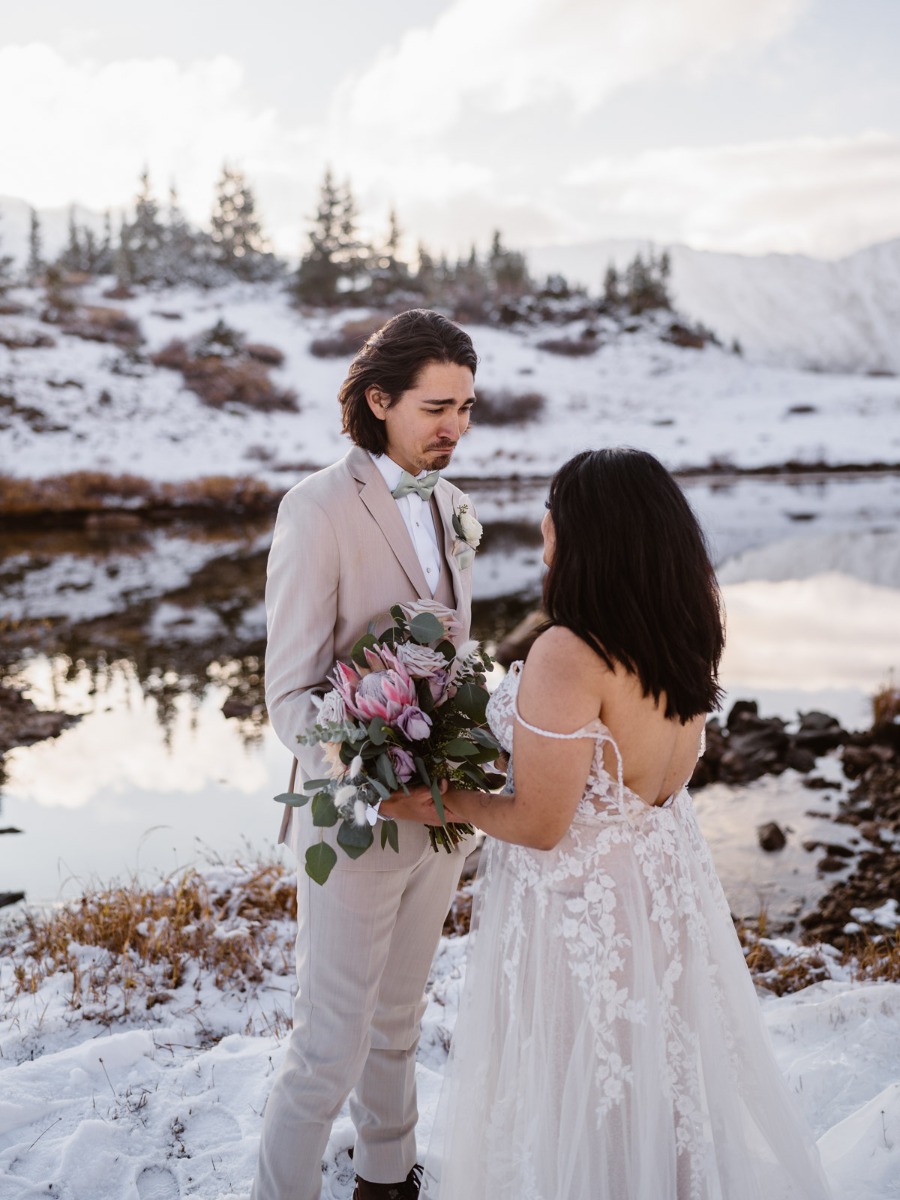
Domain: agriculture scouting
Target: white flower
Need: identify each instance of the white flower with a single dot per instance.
(360, 809)
(331, 708)
(356, 767)
(470, 528)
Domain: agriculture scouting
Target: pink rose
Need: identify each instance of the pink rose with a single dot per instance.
(414, 724)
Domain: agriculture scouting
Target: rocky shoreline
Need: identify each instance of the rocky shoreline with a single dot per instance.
(739, 749)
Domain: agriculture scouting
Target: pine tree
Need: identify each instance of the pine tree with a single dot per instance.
(71, 258)
(335, 255)
(178, 258)
(236, 234)
(105, 261)
(426, 276)
(387, 272)
(35, 247)
(611, 294)
(7, 264)
(143, 238)
(508, 268)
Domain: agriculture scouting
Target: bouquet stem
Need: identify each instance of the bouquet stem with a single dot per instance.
(448, 837)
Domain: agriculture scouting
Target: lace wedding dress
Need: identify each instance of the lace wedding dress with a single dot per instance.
(609, 1044)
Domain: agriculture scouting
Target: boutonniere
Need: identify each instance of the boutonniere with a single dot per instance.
(468, 532)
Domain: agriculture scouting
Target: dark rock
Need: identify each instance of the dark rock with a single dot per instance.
(771, 836)
(830, 863)
(799, 759)
(739, 710)
(234, 706)
(856, 760)
(7, 898)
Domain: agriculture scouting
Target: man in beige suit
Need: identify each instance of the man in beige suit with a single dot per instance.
(351, 541)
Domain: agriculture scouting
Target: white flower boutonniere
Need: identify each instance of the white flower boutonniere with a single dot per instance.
(468, 530)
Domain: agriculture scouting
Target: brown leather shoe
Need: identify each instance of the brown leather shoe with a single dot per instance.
(407, 1190)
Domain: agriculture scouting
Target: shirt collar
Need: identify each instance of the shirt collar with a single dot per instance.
(390, 471)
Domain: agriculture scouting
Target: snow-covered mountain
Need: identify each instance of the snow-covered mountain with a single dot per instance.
(790, 309)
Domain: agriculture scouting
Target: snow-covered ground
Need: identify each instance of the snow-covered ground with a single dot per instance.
(167, 1101)
(100, 410)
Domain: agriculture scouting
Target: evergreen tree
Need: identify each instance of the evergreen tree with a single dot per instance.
(236, 234)
(335, 255)
(143, 238)
(426, 276)
(611, 294)
(508, 268)
(35, 247)
(71, 258)
(105, 261)
(387, 272)
(7, 264)
(179, 260)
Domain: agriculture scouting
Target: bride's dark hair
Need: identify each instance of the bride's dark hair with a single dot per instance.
(631, 575)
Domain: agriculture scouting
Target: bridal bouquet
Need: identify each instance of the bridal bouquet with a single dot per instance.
(408, 709)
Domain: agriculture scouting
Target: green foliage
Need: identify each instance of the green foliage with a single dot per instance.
(320, 860)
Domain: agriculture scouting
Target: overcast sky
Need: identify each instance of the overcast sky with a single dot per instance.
(749, 125)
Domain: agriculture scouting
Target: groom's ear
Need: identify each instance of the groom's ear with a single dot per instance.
(379, 402)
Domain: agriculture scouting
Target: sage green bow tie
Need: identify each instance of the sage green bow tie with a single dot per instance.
(422, 487)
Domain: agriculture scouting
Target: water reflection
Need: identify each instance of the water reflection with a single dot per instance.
(151, 633)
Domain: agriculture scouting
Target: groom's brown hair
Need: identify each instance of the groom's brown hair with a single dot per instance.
(391, 360)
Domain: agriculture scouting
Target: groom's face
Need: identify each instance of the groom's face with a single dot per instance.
(426, 422)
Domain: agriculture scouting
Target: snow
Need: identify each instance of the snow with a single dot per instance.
(99, 409)
(167, 1101)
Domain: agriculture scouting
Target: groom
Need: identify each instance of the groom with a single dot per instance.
(371, 531)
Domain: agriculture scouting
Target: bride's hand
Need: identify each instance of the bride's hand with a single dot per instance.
(415, 805)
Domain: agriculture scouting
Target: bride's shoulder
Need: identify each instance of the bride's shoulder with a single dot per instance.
(560, 649)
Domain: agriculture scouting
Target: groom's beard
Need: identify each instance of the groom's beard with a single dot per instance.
(439, 456)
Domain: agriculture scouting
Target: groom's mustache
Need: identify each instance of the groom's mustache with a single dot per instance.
(442, 446)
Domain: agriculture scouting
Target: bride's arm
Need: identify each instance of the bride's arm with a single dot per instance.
(560, 691)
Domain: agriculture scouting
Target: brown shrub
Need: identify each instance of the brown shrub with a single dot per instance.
(26, 341)
(239, 378)
(570, 347)
(101, 324)
(270, 355)
(886, 705)
(349, 338)
(94, 492)
(504, 407)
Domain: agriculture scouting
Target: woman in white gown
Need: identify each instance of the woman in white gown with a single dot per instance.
(609, 1044)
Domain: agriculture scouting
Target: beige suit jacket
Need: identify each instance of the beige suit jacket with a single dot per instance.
(341, 557)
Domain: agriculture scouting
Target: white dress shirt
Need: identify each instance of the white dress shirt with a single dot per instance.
(418, 519)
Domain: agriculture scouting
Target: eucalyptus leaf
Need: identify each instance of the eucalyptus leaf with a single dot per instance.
(390, 835)
(319, 861)
(425, 627)
(423, 771)
(460, 748)
(316, 785)
(484, 737)
(378, 731)
(438, 802)
(324, 813)
(472, 700)
(355, 839)
(292, 799)
(386, 771)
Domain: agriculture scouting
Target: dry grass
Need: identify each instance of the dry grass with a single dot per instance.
(130, 946)
(86, 492)
(886, 705)
(774, 969)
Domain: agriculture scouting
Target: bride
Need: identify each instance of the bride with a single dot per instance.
(609, 1044)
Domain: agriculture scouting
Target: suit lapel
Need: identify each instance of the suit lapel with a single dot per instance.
(443, 497)
(381, 504)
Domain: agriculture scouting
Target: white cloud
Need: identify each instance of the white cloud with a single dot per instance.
(806, 195)
(513, 53)
(84, 130)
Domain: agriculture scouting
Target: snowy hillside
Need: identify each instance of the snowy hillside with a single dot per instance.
(69, 402)
(783, 308)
